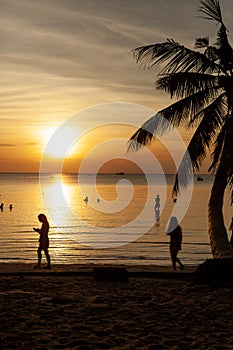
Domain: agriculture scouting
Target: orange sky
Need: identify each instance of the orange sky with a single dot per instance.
(61, 58)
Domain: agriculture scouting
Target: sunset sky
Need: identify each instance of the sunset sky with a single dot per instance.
(61, 57)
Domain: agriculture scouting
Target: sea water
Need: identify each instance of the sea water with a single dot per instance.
(116, 223)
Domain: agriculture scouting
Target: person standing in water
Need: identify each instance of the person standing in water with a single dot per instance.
(43, 240)
(157, 207)
(175, 232)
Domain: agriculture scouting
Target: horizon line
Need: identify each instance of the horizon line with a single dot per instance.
(92, 173)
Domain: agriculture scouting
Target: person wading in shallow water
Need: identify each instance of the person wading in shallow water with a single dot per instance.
(43, 240)
(175, 233)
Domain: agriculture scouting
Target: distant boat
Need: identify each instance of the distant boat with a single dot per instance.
(200, 178)
(120, 173)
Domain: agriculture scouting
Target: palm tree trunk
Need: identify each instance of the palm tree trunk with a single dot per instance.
(219, 241)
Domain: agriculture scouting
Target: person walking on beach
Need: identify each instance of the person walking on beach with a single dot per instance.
(175, 232)
(231, 229)
(43, 240)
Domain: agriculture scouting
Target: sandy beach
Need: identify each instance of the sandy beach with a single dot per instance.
(73, 311)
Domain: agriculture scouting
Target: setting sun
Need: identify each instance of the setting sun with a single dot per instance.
(59, 147)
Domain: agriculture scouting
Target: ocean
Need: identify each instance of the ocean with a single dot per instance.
(117, 222)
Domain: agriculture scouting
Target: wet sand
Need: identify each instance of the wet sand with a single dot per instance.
(73, 311)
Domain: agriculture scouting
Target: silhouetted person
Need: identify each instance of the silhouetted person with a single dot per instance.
(157, 214)
(86, 199)
(43, 240)
(157, 202)
(231, 229)
(1, 206)
(157, 207)
(175, 232)
(10, 206)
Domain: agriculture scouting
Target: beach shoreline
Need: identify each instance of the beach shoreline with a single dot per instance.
(78, 312)
(87, 269)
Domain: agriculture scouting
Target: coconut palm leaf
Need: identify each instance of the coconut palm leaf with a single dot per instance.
(212, 53)
(201, 140)
(218, 147)
(206, 132)
(222, 39)
(173, 115)
(202, 42)
(217, 111)
(227, 153)
(225, 51)
(181, 84)
(175, 58)
(183, 176)
(179, 113)
(196, 152)
(211, 9)
(153, 127)
(139, 139)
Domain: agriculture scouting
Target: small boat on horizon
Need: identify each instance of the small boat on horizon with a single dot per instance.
(199, 178)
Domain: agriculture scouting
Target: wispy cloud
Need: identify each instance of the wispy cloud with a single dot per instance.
(86, 44)
(7, 145)
(58, 57)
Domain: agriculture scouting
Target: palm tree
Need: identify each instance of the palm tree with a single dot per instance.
(201, 81)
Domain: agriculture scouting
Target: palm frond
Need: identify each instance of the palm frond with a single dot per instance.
(211, 9)
(218, 147)
(153, 127)
(201, 140)
(212, 53)
(216, 110)
(225, 51)
(174, 115)
(184, 175)
(174, 58)
(182, 84)
(140, 138)
(222, 155)
(202, 42)
(222, 38)
(227, 153)
(180, 112)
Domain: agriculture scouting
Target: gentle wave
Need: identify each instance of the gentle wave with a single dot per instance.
(69, 241)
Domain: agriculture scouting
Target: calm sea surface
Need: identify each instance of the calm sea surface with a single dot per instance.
(116, 225)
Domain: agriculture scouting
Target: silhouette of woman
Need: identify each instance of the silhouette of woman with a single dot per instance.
(43, 240)
(175, 233)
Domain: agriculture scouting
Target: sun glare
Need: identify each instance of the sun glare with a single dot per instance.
(62, 149)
